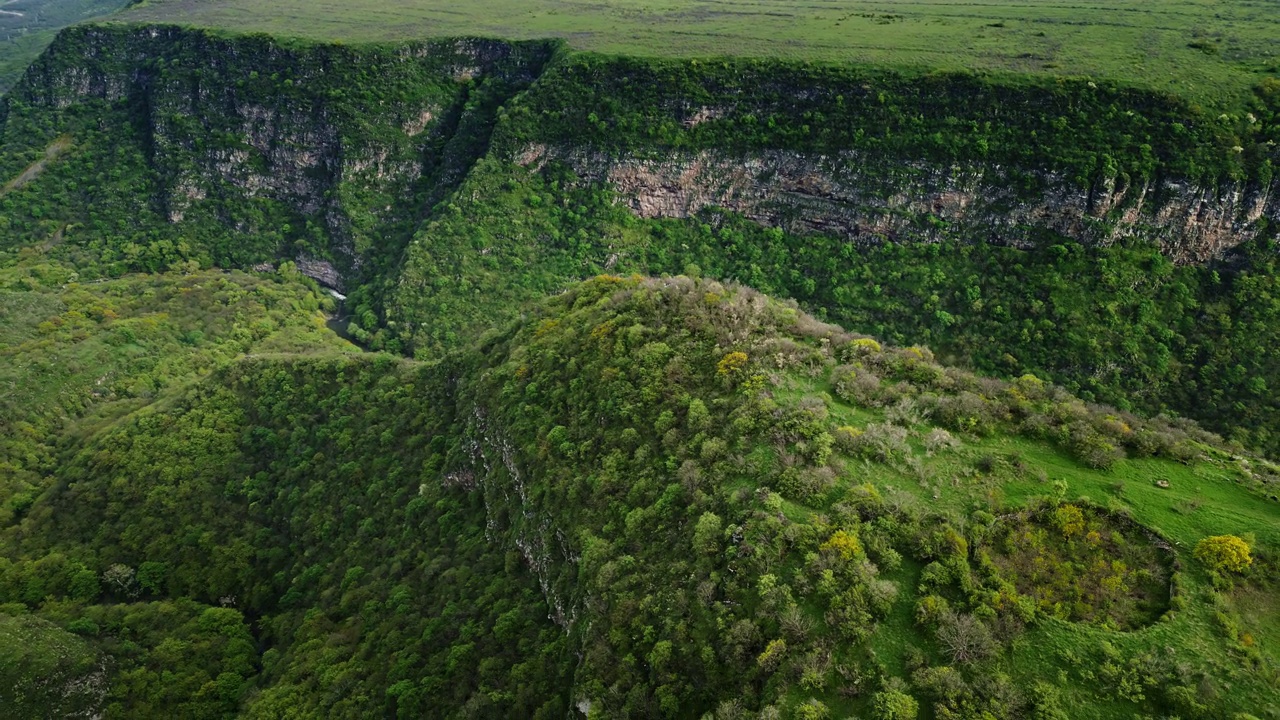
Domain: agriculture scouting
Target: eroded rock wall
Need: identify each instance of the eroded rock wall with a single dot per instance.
(871, 200)
(254, 133)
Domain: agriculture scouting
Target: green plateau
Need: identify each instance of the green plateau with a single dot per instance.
(356, 362)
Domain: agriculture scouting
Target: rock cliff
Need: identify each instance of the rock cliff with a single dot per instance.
(252, 133)
(871, 200)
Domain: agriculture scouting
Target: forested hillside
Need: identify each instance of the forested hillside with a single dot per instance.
(480, 378)
(651, 497)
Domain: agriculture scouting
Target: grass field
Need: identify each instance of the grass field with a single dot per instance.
(1210, 51)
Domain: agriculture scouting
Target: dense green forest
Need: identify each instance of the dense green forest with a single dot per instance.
(680, 495)
(567, 455)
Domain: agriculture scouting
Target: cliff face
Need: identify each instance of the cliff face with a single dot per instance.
(871, 200)
(337, 154)
(331, 141)
(880, 156)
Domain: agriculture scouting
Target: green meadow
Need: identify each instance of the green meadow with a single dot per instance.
(1211, 51)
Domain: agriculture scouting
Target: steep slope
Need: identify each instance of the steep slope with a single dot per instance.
(77, 356)
(1118, 241)
(233, 151)
(651, 497)
(1098, 236)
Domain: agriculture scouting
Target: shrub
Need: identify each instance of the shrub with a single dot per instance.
(861, 347)
(731, 363)
(846, 437)
(894, 705)
(858, 386)
(965, 412)
(935, 575)
(1069, 520)
(1224, 553)
(939, 439)
(880, 596)
(931, 609)
(906, 412)
(83, 626)
(1092, 448)
(883, 442)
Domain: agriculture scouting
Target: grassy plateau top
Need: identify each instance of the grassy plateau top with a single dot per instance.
(1212, 52)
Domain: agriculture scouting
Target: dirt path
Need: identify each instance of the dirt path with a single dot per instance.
(33, 171)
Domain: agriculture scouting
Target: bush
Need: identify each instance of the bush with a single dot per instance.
(931, 609)
(859, 348)
(730, 364)
(965, 412)
(1092, 448)
(939, 439)
(83, 626)
(1069, 520)
(858, 387)
(894, 705)
(882, 442)
(846, 437)
(1224, 554)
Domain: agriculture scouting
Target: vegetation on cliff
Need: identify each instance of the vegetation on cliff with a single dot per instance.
(304, 172)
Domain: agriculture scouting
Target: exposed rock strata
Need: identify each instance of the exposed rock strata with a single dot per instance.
(874, 200)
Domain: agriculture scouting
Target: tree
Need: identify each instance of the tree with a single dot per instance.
(844, 544)
(772, 655)
(1069, 519)
(120, 578)
(706, 534)
(965, 637)
(1224, 553)
(894, 705)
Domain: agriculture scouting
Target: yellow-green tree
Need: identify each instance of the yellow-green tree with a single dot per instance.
(1224, 553)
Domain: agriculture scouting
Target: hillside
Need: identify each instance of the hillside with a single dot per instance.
(703, 500)
(488, 378)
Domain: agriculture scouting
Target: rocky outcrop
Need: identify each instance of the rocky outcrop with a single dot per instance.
(262, 136)
(320, 271)
(871, 200)
(514, 518)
